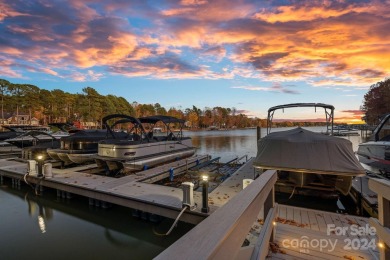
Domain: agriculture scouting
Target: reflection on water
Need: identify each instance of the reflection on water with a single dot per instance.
(228, 144)
(48, 227)
(42, 213)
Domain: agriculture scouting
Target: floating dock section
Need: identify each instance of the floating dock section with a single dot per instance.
(136, 191)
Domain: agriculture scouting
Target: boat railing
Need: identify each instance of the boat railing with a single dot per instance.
(382, 224)
(221, 235)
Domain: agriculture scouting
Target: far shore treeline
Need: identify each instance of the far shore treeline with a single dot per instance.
(89, 106)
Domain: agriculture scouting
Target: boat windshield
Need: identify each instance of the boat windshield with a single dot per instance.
(383, 131)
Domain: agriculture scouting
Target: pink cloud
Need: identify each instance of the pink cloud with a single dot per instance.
(275, 88)
(313, 41)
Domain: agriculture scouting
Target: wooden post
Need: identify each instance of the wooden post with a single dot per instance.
(268, 204)
(384, 220)
(382, 225)
(258, 132)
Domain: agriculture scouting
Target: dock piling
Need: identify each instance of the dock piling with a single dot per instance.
(258, 132)
(205, 194)
(91, 202)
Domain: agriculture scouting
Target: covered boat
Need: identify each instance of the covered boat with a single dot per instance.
(376, 152)
(145, 149)
(308, 160)
(82, 146)
(28, 136)
(33, 138)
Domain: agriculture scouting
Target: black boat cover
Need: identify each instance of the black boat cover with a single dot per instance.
(300, 150)
(164, 119)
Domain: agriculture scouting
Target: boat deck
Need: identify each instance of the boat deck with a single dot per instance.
(302, 224)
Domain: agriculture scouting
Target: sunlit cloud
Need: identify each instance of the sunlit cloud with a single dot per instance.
(193, 2)
(275, 88)
(327, 44)
(84, 76)
(242, 111)
(314, 10)
(357, 113)
(349, 116)
(7, 70)
(299, 120)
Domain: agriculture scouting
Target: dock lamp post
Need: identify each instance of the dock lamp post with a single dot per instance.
(40, 165)
(205, 194)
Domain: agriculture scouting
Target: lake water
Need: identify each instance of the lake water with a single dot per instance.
(229, 144)
(47, 227)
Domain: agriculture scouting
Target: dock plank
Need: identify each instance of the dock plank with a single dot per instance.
(321, 222)
(282, 212)
(305, 219)
(232, 185)
(297, 215)
(290, 213)
(313, 220)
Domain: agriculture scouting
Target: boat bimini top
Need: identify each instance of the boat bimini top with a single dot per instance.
(329, 114)
(137, 127)
(167, 121)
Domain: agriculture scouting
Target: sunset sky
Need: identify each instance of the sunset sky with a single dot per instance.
(249, 55)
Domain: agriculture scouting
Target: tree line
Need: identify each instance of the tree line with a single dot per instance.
(90, 106)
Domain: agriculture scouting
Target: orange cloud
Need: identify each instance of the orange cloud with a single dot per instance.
(350, 117)
(209, 11)
(322, 11)
(324, 43)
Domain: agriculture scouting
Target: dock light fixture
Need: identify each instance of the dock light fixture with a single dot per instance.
(40, 165)
(205, 194)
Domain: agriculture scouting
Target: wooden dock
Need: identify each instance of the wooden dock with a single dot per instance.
(128, 191)
(300, 224)
(283, 232)
(232, 186)
(135, 191)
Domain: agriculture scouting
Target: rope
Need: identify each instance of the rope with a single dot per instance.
(173, 225)
(36, 186)
(292, 193)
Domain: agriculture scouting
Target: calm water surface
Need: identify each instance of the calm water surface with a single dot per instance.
(46, 227)
(230, 144)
